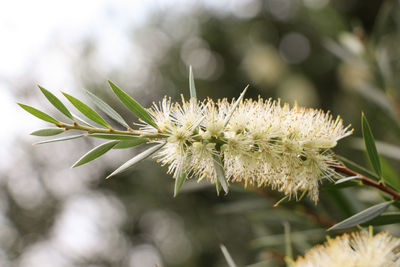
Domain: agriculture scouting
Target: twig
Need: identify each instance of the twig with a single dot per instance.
(367, 181)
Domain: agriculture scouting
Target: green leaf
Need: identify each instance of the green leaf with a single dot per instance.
(86, 110)
(192, 88)
(95, 153)
(385, 219)
(370, 146)
(221, 178)
(130, 143)
(130, 163)
(114, 136)
(132, 105)
(228, 117)
(39, 114)
(179, 180)
(48, 132)
(357, 168)
(56, 102)
(362, 217)
(227, 256)
(59, 139)
(107, 109)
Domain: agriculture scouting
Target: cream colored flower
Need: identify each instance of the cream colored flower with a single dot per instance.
(261, 143)
(360, 249)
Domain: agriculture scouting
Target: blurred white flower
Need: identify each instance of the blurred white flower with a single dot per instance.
(357, 249)
(263, 143)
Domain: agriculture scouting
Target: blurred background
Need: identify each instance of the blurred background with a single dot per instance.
(338, 55)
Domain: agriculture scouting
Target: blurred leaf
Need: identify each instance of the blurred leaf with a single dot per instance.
(130, 143)
(227, 256)
(48, 131)
(132, 105)
(228, 117)
(288, 243)
(219, 169)
(191, 84)
(390, 175)
(370, 146)
(115, 136)
(357, 168)
(107, 109)
(39, 114)
(130, 163)
(362, 217)
(385, 149)
(179, 180)
(59, 139)
(95, 153)
(385, 219)
(296, 237)
(56, 102)
(86, 110)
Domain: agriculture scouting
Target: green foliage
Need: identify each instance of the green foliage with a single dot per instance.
(103, 106)
(132, 105)
(362, 217)
(39, 114)
(95, 153)
(221, 178)
(48, 132)
(71, 137)
(192, 88)
(56, 102)
(138, 158)
(179, 180)
(86, 110)
(370, 146)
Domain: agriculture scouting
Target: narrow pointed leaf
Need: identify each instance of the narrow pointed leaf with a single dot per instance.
(114, 136)
(227, 256)
(362, 217)
(370, 146)
(48, 132)
(130, 143)
(130, 163)
(132, 105)
(192, 88)
(103, 106)
(228, 117)
(59, 139)
(39, 114)
(179, 180)
(95, 153)
(347, 179)
(86, 110)
(385, 219)
(56, 102)
(221, 178)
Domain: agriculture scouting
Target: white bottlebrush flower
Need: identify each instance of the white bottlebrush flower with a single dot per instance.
(355, 250)
(261, 143)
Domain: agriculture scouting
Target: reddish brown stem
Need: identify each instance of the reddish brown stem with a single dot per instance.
(367, 181)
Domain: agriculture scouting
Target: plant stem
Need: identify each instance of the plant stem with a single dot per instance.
(369, 182)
